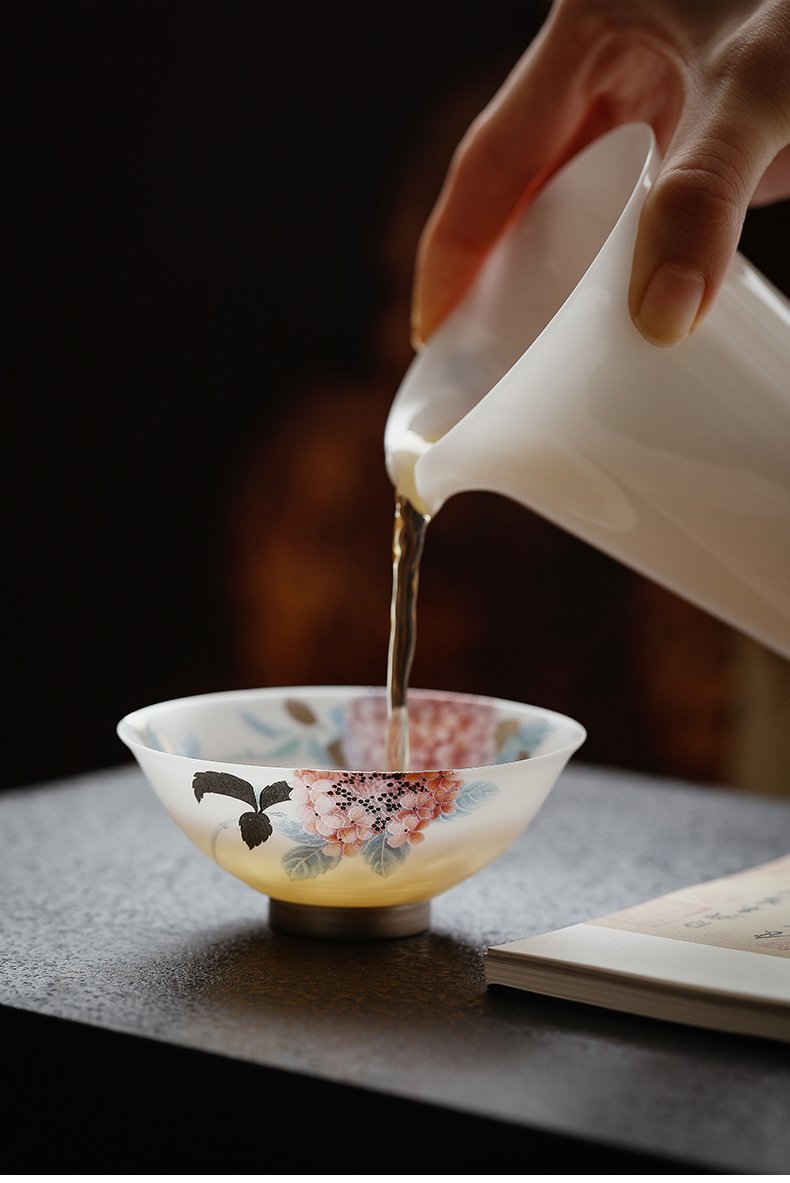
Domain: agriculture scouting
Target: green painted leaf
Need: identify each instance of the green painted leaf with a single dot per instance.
(284, 751)
(316, 755)
(472, 796)
(260, 725)
(308, 861)
(292, 829)
(380, 857)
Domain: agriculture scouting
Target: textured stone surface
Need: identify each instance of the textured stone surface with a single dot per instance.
(112, 919)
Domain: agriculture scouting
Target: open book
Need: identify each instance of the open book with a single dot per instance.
(715, 955)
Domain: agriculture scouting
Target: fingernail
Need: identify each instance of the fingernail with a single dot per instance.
(670, 304)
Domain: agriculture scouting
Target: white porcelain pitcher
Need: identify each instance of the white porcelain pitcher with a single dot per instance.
(538, 387)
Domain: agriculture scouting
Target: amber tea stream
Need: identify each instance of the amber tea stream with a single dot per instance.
(407, 543)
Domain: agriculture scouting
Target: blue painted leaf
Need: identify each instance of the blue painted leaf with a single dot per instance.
(472, 795)
(255, 828)
(317, 754)
(292, 830)
(259, 725)
(534, 733)
(190, 747)
(380, 857)
(152, 739)
(523, 743)
(519, 743)
(308, 861)
(225, 783)
(285, 750)
(337, 719)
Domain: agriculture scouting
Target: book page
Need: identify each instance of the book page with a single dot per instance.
(749, 910)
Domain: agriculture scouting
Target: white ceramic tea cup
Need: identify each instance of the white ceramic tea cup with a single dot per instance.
(539, 387)
(286, 789)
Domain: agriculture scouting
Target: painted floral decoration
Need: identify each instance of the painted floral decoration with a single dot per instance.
(373, 815)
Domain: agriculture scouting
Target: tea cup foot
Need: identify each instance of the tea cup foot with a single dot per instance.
(353, 924)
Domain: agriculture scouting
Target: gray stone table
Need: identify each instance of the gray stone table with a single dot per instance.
(151, 1021)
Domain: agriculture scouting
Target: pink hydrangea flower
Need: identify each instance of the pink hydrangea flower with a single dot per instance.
(345, 809)
(450, 733)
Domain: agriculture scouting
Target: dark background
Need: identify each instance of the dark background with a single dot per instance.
(195, 200)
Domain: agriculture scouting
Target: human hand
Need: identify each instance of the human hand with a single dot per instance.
(712, 77)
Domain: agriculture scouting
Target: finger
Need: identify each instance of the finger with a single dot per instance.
(528, 129)
(774, 184)
(693, 216)
(689, 230)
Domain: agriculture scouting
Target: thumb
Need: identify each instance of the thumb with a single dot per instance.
(690, 227)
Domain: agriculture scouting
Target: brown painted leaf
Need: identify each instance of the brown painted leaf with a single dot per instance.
(255, 828)
(273, 794)
(225, 783)
(299, 711)
(504, 729)
(335, 751)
